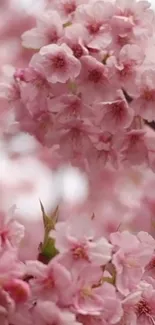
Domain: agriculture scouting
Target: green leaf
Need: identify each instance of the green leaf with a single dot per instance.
(49, 222)
(47, 249)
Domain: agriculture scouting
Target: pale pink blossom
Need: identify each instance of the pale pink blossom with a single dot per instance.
(49, 30)
(11, 231)
(96, 299)
(49, 281)
(139, 307)
(95, 17)
(133, 147)
(132, 255)
(57, 63)
(134, 18)
(47, 312)
(145, 308)
(144, 101)
(115, 115)
(76, 38)
(79, 244)
(18, 290)
(66, 8)
(130, 59)
(35, 92)
(94, 80)
(10, 266)
(70, 106)
(73, 136)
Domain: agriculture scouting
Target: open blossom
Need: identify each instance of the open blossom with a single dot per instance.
(130, 59)
(19, 290)
(94, 79)
(10, 266)
(49, 30)
(35, 91)
(47, 312)
(145, 308)
(96, 299)
(57, 63)
(11, 231)
(114, 115)
(73, 136)
(144, 100)
(134, 18)
(131, 257)
(50, 282)
(75, 37)
(95, 16)
(79, 244)
(66, 8)
(133, 147)
(69, 107)
(138, 307)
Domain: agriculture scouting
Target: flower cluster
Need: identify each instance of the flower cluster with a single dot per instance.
(80, 276)
(84, 96)
(90, 84)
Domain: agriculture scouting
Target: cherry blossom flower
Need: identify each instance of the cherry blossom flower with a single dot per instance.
(130, 59)
(143, 104)
(46, 311)
(94, 79)
(134, 18)
(19, 290)
(76, 38)
(130, 259)
(51, 281)
(49, 30)
(11, 231)
(80, 245)
(57, 63)
(90, 298)
(133, 147)
(115, 115)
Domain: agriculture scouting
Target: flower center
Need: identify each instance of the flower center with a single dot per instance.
(49, 282)
(86, 292)
(79, 252)
(151, 265)
(59, 62)
(143, 308)
(122, 40)
(149, 95)
(127, 70)
(95, 75)
(117, 109)
(69, 7)
(94, 28)
(52, 36)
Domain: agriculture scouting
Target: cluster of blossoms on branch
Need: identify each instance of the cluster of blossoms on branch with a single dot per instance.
(85, 96)
(80, 276)
(90, 83)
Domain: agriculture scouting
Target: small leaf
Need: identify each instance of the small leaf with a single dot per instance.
(47, 251)
(49, 222)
